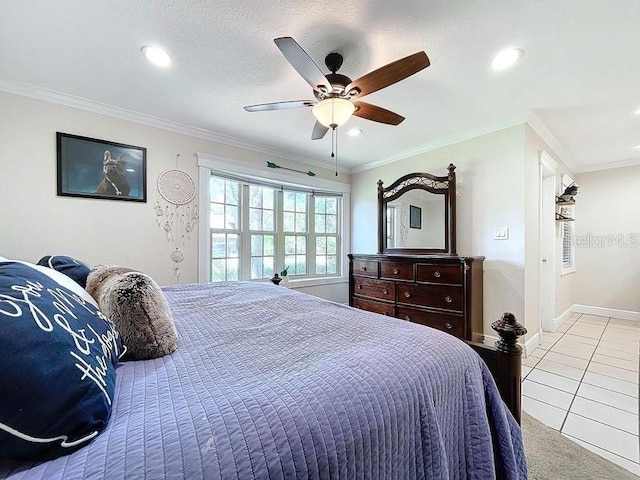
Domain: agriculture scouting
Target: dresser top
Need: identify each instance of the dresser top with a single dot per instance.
(424, 258)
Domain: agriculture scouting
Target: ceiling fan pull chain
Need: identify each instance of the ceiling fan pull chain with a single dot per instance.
(336, 134)
(333, 136)
(334, 146)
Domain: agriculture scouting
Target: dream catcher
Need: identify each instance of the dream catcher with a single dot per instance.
(174, 212)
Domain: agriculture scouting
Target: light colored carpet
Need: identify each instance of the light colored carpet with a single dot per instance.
(551, 456)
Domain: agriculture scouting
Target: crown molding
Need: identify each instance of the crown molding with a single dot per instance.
(540, 128)
(543, 132)
(440, 143)
(81, 103)
(631, 162)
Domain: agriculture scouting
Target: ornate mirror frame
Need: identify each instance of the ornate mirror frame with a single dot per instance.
(431, 184)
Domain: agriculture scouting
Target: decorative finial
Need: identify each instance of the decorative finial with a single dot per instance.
(509, 330)
(451, 168)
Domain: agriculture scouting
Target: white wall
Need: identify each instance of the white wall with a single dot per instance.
(490, 183)
(608, 239)
(36, 222)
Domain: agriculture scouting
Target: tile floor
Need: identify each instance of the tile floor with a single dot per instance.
(583, 381)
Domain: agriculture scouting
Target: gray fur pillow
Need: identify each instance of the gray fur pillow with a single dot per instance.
(137, 307)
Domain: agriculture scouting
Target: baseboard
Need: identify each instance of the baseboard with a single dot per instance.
(563, 317)
(527, 347)
(533, 343)
(605, 312)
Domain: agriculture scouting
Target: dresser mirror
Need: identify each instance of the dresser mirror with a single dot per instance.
(417, 214)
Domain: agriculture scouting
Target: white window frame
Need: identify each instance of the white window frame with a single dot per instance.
(211, 165)
(567, 232)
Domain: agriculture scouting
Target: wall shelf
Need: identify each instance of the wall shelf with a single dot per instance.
(563, 203)
(562, 218)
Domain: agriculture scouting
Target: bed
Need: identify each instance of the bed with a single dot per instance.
(270, 383)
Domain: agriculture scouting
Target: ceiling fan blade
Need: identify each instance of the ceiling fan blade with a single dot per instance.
(389, 74)
(377, 114)
(280, 105)
(319, 131)
(304, 65)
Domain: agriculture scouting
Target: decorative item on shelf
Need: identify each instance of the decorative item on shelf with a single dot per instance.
(174, 212)
(278, 277)
(568, 194)
(565, 200)
(509, 330)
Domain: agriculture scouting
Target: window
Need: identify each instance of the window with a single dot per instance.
(224, 219)
(391, 226)
(568, 233)
(258, 230)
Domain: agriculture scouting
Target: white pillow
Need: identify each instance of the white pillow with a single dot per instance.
(61, 278)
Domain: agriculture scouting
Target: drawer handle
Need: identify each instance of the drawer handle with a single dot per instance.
(436, 274)
(448, 299)
(407, 318)
(385, 291)
(359, 287)
(407, 294)
(396, 271)
(364, 269)
(448, 325)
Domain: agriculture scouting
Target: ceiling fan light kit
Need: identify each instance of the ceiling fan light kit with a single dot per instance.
(333, 112)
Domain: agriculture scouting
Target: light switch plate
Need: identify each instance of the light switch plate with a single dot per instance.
(501, 233)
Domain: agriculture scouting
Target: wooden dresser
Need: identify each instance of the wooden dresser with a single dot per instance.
(440, 291)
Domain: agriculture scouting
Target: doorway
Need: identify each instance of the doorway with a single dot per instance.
(547, 276)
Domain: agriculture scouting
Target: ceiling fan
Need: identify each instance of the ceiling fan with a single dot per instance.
(337, 96)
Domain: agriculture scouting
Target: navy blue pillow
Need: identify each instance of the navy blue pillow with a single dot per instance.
(71, 267)
(58, 358)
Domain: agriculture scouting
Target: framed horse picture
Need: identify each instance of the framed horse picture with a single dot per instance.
(93, 168)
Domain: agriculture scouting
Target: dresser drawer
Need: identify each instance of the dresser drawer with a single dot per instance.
(368, 287)
(453, 324)
(388, 309)
(435, 273)
(396, 270)
(365, 268)
(436, 296)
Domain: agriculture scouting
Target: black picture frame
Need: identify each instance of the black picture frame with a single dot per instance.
(94, 168)
(415, 217)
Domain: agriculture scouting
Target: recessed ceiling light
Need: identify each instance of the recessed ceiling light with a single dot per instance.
(506, 58)
(637, 146)
(354, 132)
(157, 56)
(637, 112)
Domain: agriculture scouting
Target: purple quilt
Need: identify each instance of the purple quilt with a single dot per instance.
(269, 383)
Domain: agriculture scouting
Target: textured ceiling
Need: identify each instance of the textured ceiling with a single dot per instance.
(578, 75)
